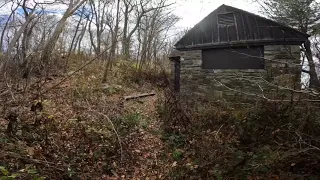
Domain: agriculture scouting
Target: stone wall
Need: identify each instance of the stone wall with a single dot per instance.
(282, 71)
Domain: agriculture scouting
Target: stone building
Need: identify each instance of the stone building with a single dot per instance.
(232, 53)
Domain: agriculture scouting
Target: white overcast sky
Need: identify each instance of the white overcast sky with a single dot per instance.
(193, 11)
(190, 11)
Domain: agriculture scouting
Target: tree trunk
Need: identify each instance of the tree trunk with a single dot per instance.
(5, 27)
(73, 40)
(14, 40)
(81, 37)
(25, 48)
(49, 47)
(125, 40)
(92, 38)
(113, 45)
(314, 80)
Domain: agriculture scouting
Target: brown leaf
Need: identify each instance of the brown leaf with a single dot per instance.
(30, 151)
(174, 164)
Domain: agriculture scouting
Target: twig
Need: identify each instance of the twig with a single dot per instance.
(217, 133)
(9, 89)
(5, 92)
(262, 97)
(262, 91)
(115, 131)
(79, 69)
(235, 90)
(11, 154)
(311, 93)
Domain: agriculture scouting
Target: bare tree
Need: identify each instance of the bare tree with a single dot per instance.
(13, 42)
(114, 38)
(73, 41)
(152, 28)
(80, 37)
(98, 18)
(141, 9)
(13, 9)
(302, 15)
(99, 27)
(50, 44)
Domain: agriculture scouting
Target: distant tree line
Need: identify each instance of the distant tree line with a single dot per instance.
(136, 30)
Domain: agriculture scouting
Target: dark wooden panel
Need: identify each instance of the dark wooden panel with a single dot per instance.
(294, 35)
(199, 36)
(278, 33)
(214, 29)
(240, 26)
(206, 31)
(232, 33)
(247, 27)
(290, 34)
(223, 34)
(233, 58)
(254, 28)
(195, 35)
(264, 29)
(210, 31)
(217, 29)
(263, 33)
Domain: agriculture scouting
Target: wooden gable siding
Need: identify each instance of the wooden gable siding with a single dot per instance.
(247, 27)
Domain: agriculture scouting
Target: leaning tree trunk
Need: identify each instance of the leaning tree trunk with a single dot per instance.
(47, 51)
(5, 28)
(81, 37)
(24, 50)
(49, 47)
(14, 41)
(73, 40)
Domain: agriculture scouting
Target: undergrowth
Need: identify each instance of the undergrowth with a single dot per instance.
(77, 130)
(84, 129)
(263, 140)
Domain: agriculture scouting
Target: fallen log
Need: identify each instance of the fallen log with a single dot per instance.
(139, 96)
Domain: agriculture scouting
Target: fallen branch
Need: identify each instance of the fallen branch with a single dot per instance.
(139, 96)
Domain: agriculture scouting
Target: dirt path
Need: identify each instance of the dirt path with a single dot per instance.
(146, 158)
(73, 130)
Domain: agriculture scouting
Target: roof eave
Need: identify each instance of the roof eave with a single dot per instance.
(237, 44)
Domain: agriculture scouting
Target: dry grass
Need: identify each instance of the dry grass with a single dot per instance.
(81, 128)
(220, 140)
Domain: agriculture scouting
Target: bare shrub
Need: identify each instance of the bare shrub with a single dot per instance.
(130, 73)
(237, 140)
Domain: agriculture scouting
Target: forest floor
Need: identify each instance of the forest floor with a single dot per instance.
(148, 151)
(70, 125)
(80, 128)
